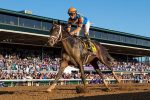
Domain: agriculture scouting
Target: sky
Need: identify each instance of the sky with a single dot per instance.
(130, 16)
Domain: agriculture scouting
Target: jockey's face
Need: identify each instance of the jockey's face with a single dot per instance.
(72, 15)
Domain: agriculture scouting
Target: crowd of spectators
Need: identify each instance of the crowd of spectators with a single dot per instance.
(32, 67)
(124, 66)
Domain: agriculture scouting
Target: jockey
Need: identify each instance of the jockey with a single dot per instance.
(80, 21)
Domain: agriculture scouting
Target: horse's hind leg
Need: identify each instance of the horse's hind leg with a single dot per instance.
(99, 72)
(63, 65)
(105, 59)
(115, 76)
(107, 63)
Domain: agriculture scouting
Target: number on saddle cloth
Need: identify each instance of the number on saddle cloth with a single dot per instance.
(93, 47)
(85, 44)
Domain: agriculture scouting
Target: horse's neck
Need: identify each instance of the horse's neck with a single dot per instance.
(65, 34)
(68, 42)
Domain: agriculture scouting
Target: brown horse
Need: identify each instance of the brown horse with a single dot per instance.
(75, 53)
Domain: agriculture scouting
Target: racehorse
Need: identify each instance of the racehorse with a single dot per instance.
(74, 52)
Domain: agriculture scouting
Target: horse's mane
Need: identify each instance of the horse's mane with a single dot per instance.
(65, 29)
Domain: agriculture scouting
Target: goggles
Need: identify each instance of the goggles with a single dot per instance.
(71, 14)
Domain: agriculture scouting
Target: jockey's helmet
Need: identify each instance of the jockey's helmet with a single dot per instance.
(72, 10)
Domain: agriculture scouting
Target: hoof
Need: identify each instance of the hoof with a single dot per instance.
(81, 89)
(49, 90)
(107, 89)
(119, 81)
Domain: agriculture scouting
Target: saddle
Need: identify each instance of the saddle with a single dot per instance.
(85, 45)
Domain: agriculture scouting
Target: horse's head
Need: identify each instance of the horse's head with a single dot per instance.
(55, 34)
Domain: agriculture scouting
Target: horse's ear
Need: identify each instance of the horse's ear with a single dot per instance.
(54, 22)
(64, 24)
(59, 22)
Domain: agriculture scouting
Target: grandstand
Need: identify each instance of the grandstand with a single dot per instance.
(24, 36)
(26, 29)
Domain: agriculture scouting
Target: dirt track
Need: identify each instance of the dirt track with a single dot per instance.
(68, 92)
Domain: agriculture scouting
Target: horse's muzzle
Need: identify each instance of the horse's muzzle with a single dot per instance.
(51, 42)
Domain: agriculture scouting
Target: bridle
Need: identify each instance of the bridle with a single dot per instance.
(59, 36)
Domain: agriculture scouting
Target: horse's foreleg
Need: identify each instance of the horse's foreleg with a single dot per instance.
(82, 74)
(63, 65)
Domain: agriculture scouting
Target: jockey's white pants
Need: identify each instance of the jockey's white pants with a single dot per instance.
(85, 28)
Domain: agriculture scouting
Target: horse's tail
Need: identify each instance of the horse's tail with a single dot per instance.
(110, 58)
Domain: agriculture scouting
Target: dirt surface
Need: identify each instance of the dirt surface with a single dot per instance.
(68, 92)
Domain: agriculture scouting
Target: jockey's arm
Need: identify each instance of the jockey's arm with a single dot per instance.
(80, 24)
(69, 26)
(77, 30)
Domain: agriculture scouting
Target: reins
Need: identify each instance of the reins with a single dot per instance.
(59, 37)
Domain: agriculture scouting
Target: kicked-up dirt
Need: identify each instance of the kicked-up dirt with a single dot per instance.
(68, 92)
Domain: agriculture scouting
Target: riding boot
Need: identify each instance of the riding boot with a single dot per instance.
(89, 43)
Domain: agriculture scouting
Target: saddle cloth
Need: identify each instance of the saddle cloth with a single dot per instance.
(85, 44)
